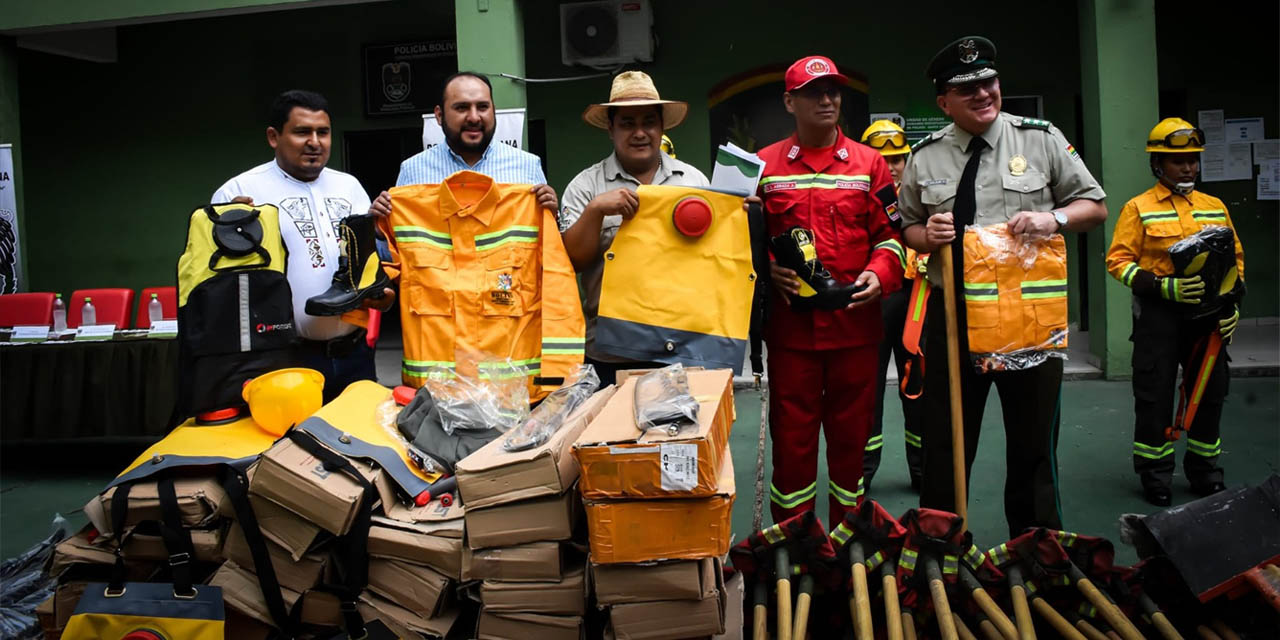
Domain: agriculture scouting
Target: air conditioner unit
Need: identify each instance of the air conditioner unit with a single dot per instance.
(606, 32)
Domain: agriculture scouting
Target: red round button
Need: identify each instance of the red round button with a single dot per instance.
(143, 634)
(692, 216)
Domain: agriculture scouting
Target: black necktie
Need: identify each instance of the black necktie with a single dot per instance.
(963, 213)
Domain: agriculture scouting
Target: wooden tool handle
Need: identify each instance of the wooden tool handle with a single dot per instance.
(1091, 632)
(908, 626)
(1162, 624)
(953, 375)
(782, 568)
(938, 593)
(802, 607)
(892, 615)
(1055, 620)
(1206, 633)
(1021, 612)
(1108, 609)
(862, 603)
(961, 628)
(989, 631)
(994, 614)
(760, 623)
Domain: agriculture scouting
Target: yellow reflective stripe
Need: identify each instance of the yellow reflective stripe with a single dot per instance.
(1205, 449)
(562, 346)
(1152, 453)
(950, 564)
(844, 496)
(774, 534)
(1204, 379)
(1209, 215)
(514, 233)
(973, 557)
(1040, 289)
(841, 533)
(875, 442)
(1031, 587)
(1067, 538)
(981, 291)
(409, 234)
(907, 560)
(789, 500)
(427, 368)
(911, 438)
(875, 560)
(1126, 275)
(1153, 217)
(896, 248)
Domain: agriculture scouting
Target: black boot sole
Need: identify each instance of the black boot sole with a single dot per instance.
(317, 308)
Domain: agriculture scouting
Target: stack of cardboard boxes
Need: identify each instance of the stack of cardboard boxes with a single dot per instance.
(524, 534)
(658, 510)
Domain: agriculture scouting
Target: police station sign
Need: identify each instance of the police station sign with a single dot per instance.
(509, 128)
(404, 77)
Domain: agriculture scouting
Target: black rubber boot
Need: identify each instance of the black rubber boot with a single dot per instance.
(818, 290)
(359, 275)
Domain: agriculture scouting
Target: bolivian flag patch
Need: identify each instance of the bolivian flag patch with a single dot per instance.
(1072, 150)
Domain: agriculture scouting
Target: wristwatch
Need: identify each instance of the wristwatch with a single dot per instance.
(1061, 218)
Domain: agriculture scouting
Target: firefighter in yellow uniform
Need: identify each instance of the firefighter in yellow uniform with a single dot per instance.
(890, 140)
(1164, 334)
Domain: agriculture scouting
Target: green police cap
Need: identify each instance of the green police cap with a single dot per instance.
(967, 59)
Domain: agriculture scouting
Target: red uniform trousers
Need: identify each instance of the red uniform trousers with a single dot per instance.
(832, 390)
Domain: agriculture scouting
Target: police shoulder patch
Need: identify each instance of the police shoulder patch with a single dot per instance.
(1033, 123)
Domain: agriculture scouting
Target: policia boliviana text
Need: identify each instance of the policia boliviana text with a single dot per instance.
(1165, 334)
(1033, 180)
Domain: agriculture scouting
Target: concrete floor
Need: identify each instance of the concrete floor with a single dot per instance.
(1097, 484)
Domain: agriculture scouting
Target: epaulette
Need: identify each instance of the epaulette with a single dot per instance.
(920, 144)
(1034, 123)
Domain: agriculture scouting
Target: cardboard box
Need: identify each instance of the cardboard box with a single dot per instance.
(403, 622)
(534, 562)
(618, 460)
(566, 597)
(199, 500)
(242, 593)
(653, 582)
(296, 480)
(517, 523)
(48, 621)
(283, 526)
(65, 599)
(438, 547)
(242, 627)
(734, 594)
(671, 618)
(93, 561)
(296, 575)
(414, 587)
(492, 475)
(651, 530)
(206, 543)
(494, 625)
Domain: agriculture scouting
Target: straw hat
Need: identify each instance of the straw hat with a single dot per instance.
(635, 89)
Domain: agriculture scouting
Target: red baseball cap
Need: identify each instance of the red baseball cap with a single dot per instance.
(810, 68)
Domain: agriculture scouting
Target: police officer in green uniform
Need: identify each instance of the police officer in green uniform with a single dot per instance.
(985, 168)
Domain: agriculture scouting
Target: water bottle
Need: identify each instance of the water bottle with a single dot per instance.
(154, 311)
(88, 315)
(59, 314)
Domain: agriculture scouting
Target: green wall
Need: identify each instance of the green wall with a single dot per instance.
(117, 155)
(24, 14)
(1232, 64)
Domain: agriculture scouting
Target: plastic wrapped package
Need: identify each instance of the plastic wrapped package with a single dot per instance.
(548, 417)
(498, 398)
(663, 400)
(26, 585)
(1211, 254)
(1015, 295)
(386, 414)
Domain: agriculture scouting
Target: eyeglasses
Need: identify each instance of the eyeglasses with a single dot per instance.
(882, 139)
(1182, 138)
(970, 89)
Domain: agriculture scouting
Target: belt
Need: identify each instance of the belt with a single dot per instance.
(339, 347)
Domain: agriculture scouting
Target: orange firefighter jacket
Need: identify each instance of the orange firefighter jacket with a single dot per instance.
(1015, 295)
(1152, 222)
(483, 272)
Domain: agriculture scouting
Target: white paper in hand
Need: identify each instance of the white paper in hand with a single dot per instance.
(736, 170)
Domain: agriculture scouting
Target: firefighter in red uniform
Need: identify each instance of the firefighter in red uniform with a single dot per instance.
(822, 364)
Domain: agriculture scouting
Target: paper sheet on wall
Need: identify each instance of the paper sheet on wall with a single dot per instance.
(1211, 121)
(1222, 162)
(1264, 150)
(1213, 162)
(1243, 129)
(1269, 180)
(736, 170)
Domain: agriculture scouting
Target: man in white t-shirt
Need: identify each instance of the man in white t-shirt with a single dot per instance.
(312, 199)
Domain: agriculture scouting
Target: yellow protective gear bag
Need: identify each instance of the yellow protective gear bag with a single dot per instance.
(235, 306)
(1015, 297)
(146, 611)
(679, 280)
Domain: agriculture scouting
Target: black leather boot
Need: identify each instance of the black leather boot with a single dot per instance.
(359, 275)
(818, 290)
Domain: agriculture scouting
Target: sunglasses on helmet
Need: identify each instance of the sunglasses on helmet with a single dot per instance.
(1182, 138)
(882, 139)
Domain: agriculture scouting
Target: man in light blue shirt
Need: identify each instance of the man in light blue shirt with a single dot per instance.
(466, 114)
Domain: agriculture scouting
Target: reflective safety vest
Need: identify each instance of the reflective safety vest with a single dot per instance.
(482, 271)
(1015, 293)
(679, 296)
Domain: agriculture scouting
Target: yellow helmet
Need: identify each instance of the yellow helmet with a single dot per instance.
(284, 397)
(1175, 135)
(668, 147)
(886, 137)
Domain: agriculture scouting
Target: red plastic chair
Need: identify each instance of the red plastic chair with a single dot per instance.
(112, 306)
(168, 297)
(26, 309)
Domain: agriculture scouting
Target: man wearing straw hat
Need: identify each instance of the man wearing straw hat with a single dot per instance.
(603, 196)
